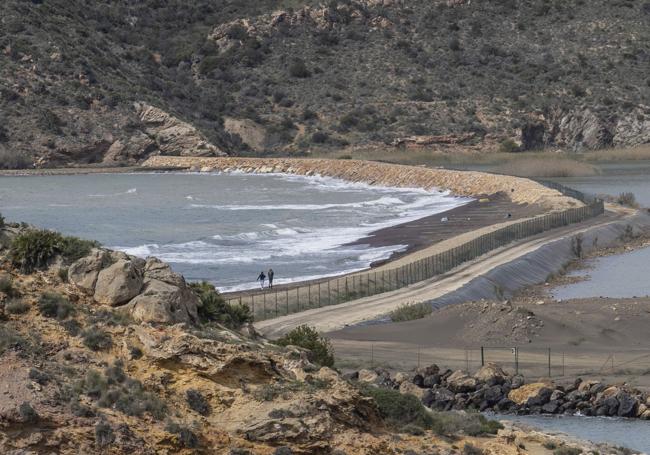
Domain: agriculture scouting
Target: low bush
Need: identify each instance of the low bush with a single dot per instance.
(52, 305)
(197, 402)
(298, 69)
(13, 160)
(16, 307)
(7, 286)
(214, 308)
(399, 409)
(508, 146)
(410, 312)
(104, 435)
(627, 199)
(63, 274)
(9, 338)
(121, 393)
(471, 424)
(96, 339)
(27, 413)
(111, 318)
(321, 351)
(469, 449)
(72, 327)
(186, 437)
(35, 249)
(39, 377)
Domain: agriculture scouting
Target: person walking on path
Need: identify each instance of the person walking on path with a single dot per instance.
(270, 274)
(261, 279)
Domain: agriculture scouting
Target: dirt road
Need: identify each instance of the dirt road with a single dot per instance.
(336, 317)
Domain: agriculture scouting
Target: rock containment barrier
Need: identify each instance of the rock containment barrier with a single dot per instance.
(461, 183)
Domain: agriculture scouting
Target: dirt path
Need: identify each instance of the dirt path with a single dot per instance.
(336, 317)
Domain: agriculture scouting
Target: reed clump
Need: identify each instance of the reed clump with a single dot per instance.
(546, 167)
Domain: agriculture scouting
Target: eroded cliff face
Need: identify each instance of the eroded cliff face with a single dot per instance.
(462, 183)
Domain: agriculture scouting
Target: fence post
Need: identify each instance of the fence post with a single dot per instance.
(482, 357)
(329, 293)
(563, 371)
(264, 302)
(319, 294)
(549, 362)
(287, 294)
(372, 355)
(276, 304)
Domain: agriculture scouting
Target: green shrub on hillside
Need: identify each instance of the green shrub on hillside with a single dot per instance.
(410, 312)
(213, 307)
(7, 286)
(404, 410)
(36, 248)
(508, 146)
(399, 409)
(307, 337)
(52, 305)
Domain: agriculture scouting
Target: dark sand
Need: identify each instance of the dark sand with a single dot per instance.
(419, 234)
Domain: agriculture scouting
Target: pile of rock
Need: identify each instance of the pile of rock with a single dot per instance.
(147, 289)
(492, 389)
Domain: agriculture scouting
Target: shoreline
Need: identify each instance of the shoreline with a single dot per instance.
(459, 183)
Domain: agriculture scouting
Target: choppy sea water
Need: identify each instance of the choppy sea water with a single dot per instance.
(224, 228)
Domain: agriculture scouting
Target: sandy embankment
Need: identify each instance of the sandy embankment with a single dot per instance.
(461, 183)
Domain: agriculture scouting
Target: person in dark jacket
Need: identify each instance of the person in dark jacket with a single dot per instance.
(261, 279)
(270, 274)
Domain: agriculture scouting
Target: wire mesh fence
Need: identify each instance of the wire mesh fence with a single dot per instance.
(531, 362)
(271, 303)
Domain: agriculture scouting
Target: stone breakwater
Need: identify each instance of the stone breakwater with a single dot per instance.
(492, 389)
(460, 183)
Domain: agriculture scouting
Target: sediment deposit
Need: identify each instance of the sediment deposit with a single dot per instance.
(461, 183)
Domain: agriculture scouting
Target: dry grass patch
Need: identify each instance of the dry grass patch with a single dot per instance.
(546, 167)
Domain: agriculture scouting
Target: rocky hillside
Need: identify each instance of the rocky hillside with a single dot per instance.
(103, 352)
(97, 82)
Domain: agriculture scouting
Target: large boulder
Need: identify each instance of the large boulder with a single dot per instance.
(537, 394)
(84, 272)
(118, 283)
(460, 382)
(156, 269)
(491, 374)
(164, 303)
(368, 376)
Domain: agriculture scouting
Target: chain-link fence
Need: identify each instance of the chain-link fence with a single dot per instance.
(531, 362)
(271, 303)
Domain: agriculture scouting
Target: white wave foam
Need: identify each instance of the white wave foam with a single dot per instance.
(383, 201)
(129, 191)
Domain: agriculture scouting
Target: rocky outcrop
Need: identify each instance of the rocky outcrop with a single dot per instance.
(164, 303)
(83, 273)
(251, 134)
(131, 150)
(490, 388)
(586, 129)
(148, 290)
(119, 283)
(462, 183)
(173, 136)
